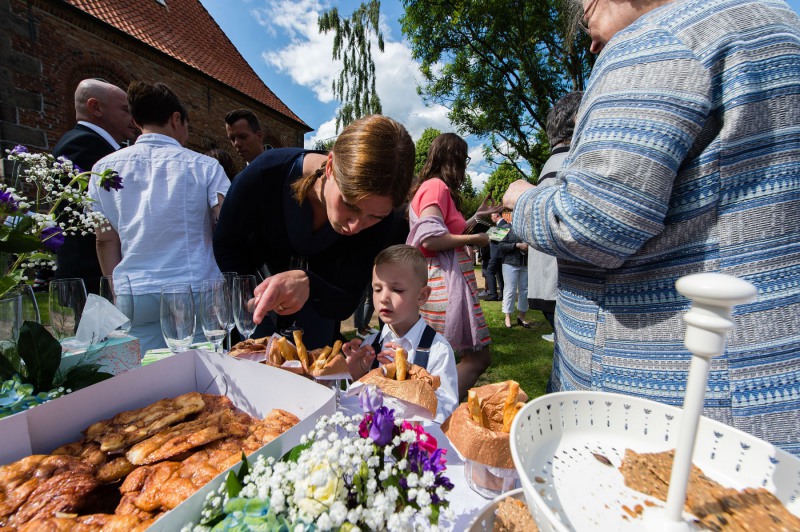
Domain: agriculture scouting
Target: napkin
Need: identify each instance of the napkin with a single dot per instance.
(99, 318)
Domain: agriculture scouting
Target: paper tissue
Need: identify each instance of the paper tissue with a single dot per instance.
(93, 343)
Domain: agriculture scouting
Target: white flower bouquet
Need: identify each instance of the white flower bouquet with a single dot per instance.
(369, 472)
(34, 228)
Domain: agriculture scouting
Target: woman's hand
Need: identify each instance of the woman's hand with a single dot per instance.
(479, 240)
(284, 292)
(488, 207)
(513, 193)
(358, 357)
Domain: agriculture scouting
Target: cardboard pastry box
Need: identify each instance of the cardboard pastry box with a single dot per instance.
(255, 388)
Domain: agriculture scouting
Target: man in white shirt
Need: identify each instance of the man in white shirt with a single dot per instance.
(160, 224)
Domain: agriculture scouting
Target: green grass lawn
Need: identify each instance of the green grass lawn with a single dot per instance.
(518, 353)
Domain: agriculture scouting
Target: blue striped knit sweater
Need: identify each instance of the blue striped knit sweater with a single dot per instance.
(686, 159)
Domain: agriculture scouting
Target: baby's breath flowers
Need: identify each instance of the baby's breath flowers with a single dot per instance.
(368, 472)
(33, 228)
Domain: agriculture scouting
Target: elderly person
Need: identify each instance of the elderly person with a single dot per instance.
(685, 160)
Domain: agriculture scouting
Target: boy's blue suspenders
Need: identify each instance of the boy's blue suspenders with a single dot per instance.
(422, 352)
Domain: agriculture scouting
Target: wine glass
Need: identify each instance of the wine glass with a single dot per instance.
(30, 307)
(118, 291)
(215, 311)
(67, 299)
(10, 319)
(177, 316)
(229, 277)
(244, 304)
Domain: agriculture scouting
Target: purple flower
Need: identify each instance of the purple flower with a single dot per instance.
(371, 399)
(110, 179)
(7, 203)
(382, 428)
(52, 238)
(19, 149)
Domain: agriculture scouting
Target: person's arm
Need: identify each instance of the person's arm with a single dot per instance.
(450, 241)
(109, 248)
(638, 122)
(216, 209)
(442, 362)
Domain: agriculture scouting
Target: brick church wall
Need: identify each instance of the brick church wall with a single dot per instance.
(47, 47)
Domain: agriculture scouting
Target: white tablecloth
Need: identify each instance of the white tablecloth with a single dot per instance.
(464, 502)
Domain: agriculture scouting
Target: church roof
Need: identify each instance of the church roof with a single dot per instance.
(184, 30)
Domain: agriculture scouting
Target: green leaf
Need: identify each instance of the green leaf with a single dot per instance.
(244, 470)
(10, 281)
(41, 354)
(13, 241)
(233, 485)
(7, 368)
(294, 454)
(82, 375)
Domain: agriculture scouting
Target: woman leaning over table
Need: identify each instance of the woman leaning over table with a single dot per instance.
(437, 228)
(317, 220)
(686, 159)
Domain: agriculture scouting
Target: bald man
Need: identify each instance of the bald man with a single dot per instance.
(104, 122)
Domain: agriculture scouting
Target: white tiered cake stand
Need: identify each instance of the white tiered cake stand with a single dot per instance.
(568, 446)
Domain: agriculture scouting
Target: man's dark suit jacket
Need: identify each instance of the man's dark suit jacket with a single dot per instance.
(78, 256)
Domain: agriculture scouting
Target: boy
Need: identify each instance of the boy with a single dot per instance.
(399, 289)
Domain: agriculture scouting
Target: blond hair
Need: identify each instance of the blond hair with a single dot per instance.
(373, 156)
(408, 255)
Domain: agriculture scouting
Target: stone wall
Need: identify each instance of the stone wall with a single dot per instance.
(47, 47)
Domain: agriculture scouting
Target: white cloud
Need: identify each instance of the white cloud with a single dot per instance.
(306, 58)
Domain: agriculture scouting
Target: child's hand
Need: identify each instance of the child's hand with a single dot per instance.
(358, 357)
(387, 355)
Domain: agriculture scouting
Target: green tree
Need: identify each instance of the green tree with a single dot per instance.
(498, 181)
(325, 145)
(422, 147)
(352, 43)
(498, 66)
(470, 198)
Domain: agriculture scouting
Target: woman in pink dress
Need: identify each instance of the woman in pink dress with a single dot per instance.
(437, 229)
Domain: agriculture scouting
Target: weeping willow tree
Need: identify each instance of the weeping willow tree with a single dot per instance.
(352, 44)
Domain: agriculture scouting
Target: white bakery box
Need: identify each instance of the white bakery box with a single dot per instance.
(254, 388)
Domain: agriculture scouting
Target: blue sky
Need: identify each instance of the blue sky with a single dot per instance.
(280, 40)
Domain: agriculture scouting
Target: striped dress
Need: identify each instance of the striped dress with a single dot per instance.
(686, 159)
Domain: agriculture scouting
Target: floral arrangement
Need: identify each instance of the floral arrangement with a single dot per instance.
(16, 396)
(33, 229)
(370, 472)
(30, 373)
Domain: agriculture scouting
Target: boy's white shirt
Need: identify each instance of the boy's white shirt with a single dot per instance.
(441, 362)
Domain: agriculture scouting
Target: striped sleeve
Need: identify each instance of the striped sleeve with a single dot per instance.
(640, 118)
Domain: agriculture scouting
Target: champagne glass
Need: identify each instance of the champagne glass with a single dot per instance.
(67, 299)
(229, 277)
(244, 304)
(118, 291)
(177, 316)
(215, 311)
